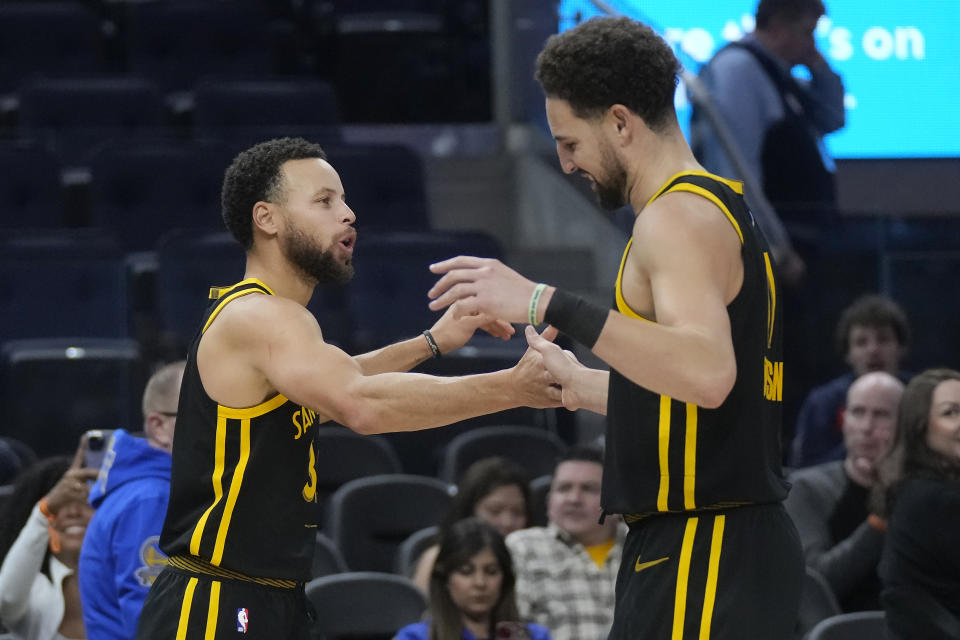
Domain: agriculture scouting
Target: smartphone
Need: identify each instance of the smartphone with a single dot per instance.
(511, 631)
(95, 447)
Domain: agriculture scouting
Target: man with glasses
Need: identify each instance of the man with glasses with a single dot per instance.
(120, 557)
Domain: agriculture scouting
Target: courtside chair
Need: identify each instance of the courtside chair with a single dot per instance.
(860, 625)
(54, 389)
(536, 450)
(343, 455)
(369, 518)
(363, 605)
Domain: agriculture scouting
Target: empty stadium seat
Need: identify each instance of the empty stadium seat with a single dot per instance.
(363, 605)
(860, 625)
(30, 186)
(536, 450)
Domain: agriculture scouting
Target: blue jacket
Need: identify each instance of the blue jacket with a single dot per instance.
(421, 631)
(120, 558)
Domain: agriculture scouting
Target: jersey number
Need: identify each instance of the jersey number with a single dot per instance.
(310, 489)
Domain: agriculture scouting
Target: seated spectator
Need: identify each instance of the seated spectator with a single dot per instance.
(829, 501)
(872, 335)
(472, 589)
(120, 557)
(566, 571)
(41, 533)
(497, 491)
(920, 498)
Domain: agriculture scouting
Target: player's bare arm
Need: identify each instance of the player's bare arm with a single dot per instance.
(291, 358)
(682, 270)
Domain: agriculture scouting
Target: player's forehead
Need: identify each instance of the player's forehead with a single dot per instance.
(310, 175)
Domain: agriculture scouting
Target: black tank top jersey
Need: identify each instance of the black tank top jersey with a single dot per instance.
(663, 455)
(243, 487)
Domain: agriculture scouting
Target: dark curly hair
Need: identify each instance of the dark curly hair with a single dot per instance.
(607, 61)
(875, 311)
(254, 176)
(787, 10)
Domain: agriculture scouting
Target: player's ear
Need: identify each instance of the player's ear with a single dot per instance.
(621, 122)
(265, 218)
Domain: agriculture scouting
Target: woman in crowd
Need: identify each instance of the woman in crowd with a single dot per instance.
(495, 490)
(40, 536)
(920, 566)
(472, 589)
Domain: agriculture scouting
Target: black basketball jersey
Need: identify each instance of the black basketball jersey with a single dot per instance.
(243, 486)
(663, 455)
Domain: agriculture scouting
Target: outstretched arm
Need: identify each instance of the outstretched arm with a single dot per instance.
(685, 253)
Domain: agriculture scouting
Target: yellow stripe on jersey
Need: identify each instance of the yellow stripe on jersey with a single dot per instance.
(252, 412)
(220, 454)
(212, 609)
(700, 191)
(185, 609)
(622, 305)
(690, 459)
(735, 185)
(710, 595)
(235, 483)
(683, 575)
(664, 449)
(223, 303)
(771, 298)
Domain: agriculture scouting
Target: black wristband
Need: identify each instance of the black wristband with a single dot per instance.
(433, 344)
(581, 320)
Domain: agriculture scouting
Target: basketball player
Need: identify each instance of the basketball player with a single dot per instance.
(240, 526)
(693, 394)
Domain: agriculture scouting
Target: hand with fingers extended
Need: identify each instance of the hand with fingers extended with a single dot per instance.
(537, 386)
(481, 285)
(455, 328)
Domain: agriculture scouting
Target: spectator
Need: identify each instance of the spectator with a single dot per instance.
(777, 121)
(471, 589)
(829, 501)
(920, 497)
(566, 571)
(41, 533)
(872, 335)
(120, 557)
(497, 491)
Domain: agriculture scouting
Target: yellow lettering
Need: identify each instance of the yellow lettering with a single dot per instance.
(772, 380)
(296, 423)
(310, 489)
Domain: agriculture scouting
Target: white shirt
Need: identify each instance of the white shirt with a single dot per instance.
(31, 605)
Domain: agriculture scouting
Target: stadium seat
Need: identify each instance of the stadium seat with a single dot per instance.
(61, 283)
(817, 602)
(369, 518)
(143, 191)
(860, 625)
(539, 489)
(326, 558)
(76, 114)
(30, 187)
(363, 605)
(343, 455)
(410, 550)
(53, 390)
(48, 38)
(536, 450)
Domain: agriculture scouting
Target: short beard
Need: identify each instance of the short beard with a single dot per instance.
(612, 190)
(311, 261)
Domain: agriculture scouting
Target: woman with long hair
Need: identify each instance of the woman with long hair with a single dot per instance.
(919, 497)
(472, 589)
(494, 489)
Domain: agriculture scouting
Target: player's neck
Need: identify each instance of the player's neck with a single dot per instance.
(661, 158)
(280, 275)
